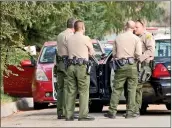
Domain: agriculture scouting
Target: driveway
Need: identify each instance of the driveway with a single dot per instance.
(156, 116)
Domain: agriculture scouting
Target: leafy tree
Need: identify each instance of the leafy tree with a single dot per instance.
(32, 23)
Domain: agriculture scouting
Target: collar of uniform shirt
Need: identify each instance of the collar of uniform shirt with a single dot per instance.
(129, 31)
(142, 34)
(70, 30)
(78, 32)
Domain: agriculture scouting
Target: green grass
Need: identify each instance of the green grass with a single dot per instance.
(6, 98)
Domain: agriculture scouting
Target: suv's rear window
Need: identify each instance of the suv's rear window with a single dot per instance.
(48, 54)
(163, 48)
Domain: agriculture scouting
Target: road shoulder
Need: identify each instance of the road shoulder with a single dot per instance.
(13, 107)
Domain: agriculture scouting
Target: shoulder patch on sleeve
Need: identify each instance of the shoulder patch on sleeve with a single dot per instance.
(148, 36)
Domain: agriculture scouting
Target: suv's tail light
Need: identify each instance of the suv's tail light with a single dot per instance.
(160, 71)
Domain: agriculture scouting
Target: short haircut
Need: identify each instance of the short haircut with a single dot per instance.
(77, 25)
(70, 23)
(129, 25)
(141, 22)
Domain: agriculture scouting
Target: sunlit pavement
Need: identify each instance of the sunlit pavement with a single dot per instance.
(156, 116)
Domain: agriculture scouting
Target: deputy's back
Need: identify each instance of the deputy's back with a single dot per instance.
(61, 41)
(79, 45)
(127, 45)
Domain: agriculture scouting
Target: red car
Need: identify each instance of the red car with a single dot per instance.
(36, 80)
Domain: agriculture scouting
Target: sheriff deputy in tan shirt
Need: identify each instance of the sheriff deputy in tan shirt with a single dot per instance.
(148, 51)
(62, 56)
(127, 46)
(79, 46)
(148, 42)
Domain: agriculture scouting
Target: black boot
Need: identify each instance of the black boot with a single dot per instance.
(124, 115)
(109, 115)
(61, 117)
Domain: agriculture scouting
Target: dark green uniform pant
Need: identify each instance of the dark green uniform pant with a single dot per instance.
(138, 92)
(61, 89)
(138, 97)
(78, 81)
(126, 73)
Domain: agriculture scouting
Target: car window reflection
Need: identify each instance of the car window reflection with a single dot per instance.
(48, 54)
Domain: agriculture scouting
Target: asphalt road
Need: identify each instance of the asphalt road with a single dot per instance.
(156, 116)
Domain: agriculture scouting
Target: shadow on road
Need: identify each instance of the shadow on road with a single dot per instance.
(148, 112)
(120, 112)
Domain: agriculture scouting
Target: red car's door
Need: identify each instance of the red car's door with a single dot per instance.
(21, 85)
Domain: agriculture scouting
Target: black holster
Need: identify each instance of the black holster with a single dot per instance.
(139, 66)
(80, 61)
(123, 61)
(65, 61)
(88, 71)
(113, 65)
(70, 61)
(152, 64)
(74, 60)
(131, 60)
(118, 64)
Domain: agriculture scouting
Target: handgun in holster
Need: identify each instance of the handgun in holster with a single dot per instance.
(89, 64)
(69, 62)
(113, 65)
(121, 62)
(80, 61)
(118, 65)
(152, 64)
(74, 60)
(131, 60)
(65, 61)
(139, 66)
(56, 58)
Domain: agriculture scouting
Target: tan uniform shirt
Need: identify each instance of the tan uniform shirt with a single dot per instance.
(61, 41)
(80, 46)
(148, 47)
(127, 45)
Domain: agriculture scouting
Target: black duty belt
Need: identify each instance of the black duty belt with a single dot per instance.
(79, 61)
(118, 63)
(62, 58)
(123, 61)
